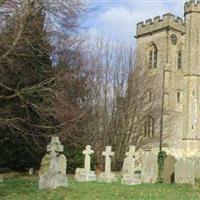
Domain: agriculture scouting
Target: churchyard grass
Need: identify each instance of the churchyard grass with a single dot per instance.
(26, 188)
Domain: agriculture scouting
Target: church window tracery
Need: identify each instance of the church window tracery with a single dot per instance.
(153, 57)
(149, 127)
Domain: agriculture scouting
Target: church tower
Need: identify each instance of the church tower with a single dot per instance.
(191, 134)
(168, 51)
(160, 50)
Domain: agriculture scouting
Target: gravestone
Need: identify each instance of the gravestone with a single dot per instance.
(85, 174)
(149, 172)
(185, 171)
(129, 176)
(53, 172)
(107, 176)
(1, 178)
(197, 167)
(30, 171)
(169, 170)
(197, 170)
(125, 166)
(45, 163)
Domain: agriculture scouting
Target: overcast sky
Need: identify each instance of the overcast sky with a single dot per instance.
(118, 18)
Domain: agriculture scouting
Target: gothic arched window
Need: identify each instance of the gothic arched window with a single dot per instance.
(153, 57)
(149, 127)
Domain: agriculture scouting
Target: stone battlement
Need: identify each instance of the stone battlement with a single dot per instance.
(158, 23)
(192, 6)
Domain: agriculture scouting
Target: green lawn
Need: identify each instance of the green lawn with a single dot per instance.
(26, 188)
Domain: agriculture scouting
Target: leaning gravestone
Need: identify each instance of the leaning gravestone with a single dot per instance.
(107, 176)
(169, 170)
(128, 171)
(85, 174)
(185, 171)
(149, 171)
(53, 167)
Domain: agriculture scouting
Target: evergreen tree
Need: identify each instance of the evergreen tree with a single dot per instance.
(26, 89)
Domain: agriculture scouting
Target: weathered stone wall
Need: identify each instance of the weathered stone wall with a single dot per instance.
(192, 72)
(173, 80)
(154, 81)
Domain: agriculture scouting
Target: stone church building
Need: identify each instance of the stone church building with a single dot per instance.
(168, 48)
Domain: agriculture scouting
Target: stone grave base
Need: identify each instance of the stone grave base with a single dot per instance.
(130, 180)
(53, 181)
(108, 178)
(82, 175)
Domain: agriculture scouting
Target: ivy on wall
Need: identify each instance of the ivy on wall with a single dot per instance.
(162, 155)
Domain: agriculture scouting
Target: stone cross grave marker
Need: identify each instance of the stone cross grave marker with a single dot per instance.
(85, 174)
(54, 146)
(53, 166)
(87, 152)
(130, 155)
(55, 149)
(107, 176)
(129, 177)
(108, 153)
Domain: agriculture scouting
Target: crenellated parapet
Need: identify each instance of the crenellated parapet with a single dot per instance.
(167, 21)
(192, 6)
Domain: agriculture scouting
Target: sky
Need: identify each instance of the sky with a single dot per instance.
(117, 19)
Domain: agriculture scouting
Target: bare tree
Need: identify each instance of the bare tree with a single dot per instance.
(121, 101)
